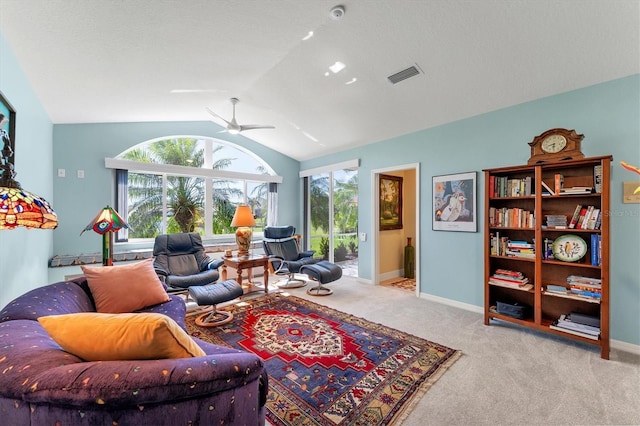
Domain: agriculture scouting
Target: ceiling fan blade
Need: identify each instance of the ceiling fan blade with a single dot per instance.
(217, 116)
(254, 127)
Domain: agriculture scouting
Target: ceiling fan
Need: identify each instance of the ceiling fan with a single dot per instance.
(232, 126)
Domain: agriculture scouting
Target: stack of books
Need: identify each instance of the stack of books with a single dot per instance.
(556, 289)
(586, 287)
(578, 324)
(576, 190)
(520, 249)
(511, 279)
(556, 221)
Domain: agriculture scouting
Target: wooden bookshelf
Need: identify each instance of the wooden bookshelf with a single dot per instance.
(546, 306)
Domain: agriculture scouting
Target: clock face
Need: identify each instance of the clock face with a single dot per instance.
(553, 144)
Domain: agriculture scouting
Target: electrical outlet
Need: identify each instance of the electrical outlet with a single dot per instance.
(80, 174)
(363, 236)
(61, 173)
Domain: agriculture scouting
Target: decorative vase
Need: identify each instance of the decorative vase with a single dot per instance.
(409, 260)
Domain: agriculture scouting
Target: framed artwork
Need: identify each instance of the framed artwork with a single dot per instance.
(454, 202)
(7, 131)
(390, 202)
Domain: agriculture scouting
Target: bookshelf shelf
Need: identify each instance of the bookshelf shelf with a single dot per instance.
(586, 278)
(573, 264)
(570, 296)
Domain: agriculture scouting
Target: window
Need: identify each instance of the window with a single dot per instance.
(189, 184)
(331, 217)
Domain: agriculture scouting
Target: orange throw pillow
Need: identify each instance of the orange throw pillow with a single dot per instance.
(110, 337)
(126, 288)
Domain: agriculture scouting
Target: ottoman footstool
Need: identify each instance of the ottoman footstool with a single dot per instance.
(322, 272)
(212, 294)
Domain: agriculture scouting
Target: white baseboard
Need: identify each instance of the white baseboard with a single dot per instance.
(615, 344)
(454, 303)
(619, 345)
(390, 275)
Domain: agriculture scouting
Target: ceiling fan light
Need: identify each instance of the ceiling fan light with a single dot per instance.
(233, 131)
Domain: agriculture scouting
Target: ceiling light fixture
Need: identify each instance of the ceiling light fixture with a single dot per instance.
(337, 67)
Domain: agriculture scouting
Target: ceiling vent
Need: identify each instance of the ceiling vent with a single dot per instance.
(404, 74)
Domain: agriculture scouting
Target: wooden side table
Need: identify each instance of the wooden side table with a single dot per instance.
(247, 262)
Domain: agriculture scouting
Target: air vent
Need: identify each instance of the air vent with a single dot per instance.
(404, 74)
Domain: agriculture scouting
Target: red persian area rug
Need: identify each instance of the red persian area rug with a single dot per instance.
(327, 367)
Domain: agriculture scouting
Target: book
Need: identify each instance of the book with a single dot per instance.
(551, 191)
(556, 289)
(565, 322)
(583, 213)
(593, 218)
(597, 178)
(576, 190)
(581, 318)
(577, 333)
(576, 215)
(558, 182)
(595, 250)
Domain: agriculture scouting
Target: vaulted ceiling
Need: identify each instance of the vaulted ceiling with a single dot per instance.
(167, 60)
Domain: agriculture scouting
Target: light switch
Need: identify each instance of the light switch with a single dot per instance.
(61, 173)
(363, 236)
(80, 174)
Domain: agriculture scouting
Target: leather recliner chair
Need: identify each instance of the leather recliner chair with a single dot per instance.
(285, 258)
(181, 262)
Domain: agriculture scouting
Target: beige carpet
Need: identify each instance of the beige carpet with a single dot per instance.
(507, 375)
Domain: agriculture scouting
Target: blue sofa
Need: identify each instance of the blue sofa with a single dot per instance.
(40, 384)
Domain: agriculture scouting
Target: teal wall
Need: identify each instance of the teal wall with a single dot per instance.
(24, 253)
(451, 263)
(85, 146)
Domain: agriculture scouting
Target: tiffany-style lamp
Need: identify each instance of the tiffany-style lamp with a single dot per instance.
(243, 219)
(106, 223)
(17, 206)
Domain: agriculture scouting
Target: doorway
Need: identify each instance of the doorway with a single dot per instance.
(332, 219)
(389, 262)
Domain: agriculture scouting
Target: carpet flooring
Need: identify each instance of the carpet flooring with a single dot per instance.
(327, 367)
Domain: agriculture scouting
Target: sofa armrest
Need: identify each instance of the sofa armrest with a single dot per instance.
(120, 384)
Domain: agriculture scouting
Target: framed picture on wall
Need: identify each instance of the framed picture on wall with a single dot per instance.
(7, 131)
(454, 202)
(390, 202)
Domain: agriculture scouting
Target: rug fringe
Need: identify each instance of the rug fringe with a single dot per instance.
(408, 407)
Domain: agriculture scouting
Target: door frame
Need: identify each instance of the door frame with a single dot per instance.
(375, 213)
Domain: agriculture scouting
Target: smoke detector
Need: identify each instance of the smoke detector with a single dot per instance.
(337, 13)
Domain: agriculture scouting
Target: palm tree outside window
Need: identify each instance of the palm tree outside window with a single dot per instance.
(166, 202)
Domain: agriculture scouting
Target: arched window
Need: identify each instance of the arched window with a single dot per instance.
(190, 184)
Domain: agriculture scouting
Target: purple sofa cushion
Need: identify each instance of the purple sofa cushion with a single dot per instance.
(67, 297)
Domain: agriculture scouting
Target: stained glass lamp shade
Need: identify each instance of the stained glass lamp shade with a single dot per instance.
(243, 219)
(106, 222)
(17, 206)
(22, 208)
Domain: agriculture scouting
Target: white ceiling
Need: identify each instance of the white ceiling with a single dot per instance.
(118, 61)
